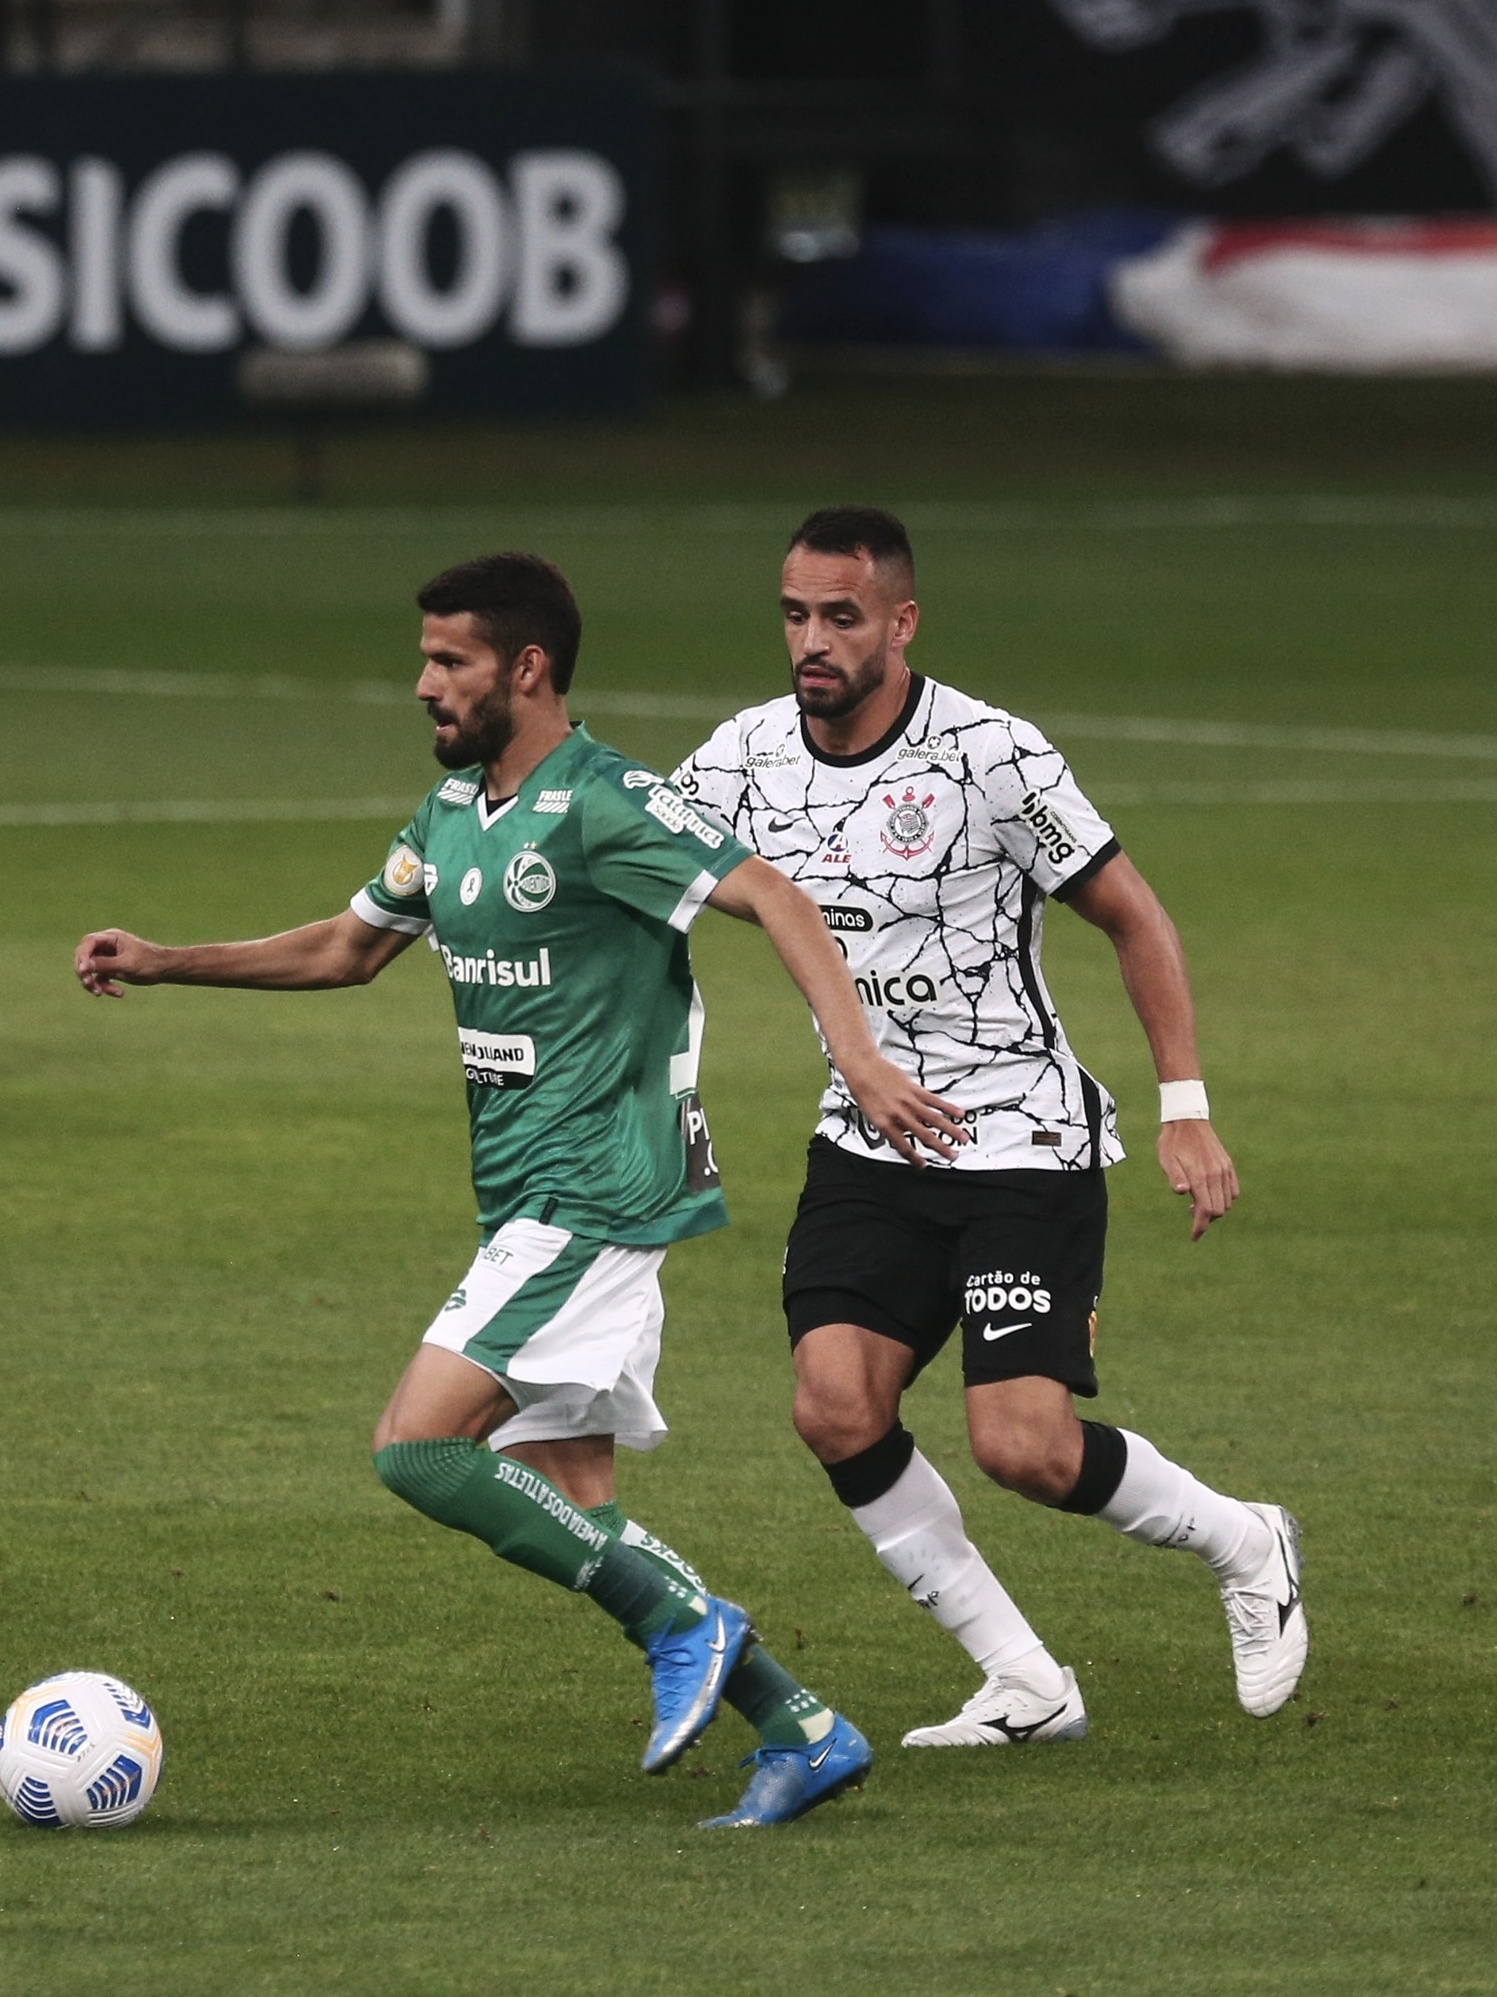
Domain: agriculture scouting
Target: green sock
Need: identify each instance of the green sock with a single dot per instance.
(527, 1521)
(779, 1709)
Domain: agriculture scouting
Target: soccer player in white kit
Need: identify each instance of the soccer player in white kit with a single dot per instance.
(933, 829)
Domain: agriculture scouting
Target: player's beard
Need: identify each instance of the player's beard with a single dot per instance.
(831, 703)
(483, 737)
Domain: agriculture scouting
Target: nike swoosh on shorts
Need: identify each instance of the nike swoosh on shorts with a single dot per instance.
(993, 1331)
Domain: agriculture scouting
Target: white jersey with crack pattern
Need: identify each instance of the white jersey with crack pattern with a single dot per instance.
(932, 855)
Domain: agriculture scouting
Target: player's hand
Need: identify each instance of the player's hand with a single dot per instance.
(1194, 1160)
(109, 959)
(906, 1115)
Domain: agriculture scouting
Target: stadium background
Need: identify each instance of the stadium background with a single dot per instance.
(1257, 612)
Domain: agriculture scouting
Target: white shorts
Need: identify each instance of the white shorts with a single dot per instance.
(569, 1327)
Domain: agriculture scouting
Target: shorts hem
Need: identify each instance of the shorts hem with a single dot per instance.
(640, 1440)
(809, 1309)
(1084, 1387)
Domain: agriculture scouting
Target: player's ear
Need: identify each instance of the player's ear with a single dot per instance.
(906, 621)
(528, 669)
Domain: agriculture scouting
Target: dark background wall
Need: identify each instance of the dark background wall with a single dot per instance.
(939, 113)
(1002, 111)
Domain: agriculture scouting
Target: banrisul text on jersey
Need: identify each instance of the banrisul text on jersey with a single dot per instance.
(560, 918)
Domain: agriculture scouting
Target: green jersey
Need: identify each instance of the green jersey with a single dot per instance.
(560, 917)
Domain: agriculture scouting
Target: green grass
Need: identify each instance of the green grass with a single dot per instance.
(393, 1767)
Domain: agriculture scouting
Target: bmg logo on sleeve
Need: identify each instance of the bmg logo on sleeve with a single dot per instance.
(457, 213)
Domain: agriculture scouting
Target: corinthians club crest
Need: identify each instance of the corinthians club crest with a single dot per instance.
(908, 829)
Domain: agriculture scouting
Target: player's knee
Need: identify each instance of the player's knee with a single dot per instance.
(398, 1426)
(1039, 1467)
(428, 1474)
(401, 1423)
(833, 1423)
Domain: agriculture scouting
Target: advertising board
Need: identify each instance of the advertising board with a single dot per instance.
(160, 236)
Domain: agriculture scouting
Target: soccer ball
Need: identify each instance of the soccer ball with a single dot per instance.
(79, 1749)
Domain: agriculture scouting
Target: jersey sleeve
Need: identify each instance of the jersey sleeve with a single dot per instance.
(1041, 817)
(714, 775)
(649, 847)
(396, 897)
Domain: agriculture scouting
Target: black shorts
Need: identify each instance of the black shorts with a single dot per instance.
(1015, 1257)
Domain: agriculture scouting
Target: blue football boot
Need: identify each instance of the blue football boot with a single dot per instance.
(788, 1781)
(687, 1676)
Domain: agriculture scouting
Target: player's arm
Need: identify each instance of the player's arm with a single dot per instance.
(890, 1099)
(320, 956)
(1120, 902)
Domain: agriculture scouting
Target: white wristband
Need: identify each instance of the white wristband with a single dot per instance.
(1183, 1102)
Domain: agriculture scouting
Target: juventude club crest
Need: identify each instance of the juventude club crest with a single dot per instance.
(908, 830)
(529, 882)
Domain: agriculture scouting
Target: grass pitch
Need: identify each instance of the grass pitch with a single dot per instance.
(393, 1766)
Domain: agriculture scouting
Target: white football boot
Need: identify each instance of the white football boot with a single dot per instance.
(1270, 1638)
(1004, 1714)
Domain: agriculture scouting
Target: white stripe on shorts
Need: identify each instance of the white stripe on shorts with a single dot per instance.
(521, 1249)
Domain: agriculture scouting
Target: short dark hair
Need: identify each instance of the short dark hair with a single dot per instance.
(850, 530)
(516, 600)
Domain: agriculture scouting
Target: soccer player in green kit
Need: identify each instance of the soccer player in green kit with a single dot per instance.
(558, 881)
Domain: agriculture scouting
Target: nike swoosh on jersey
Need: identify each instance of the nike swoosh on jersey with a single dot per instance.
(992, 1331)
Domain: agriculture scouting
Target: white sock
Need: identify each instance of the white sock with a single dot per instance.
(1163, 1505)
(916, 1530)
